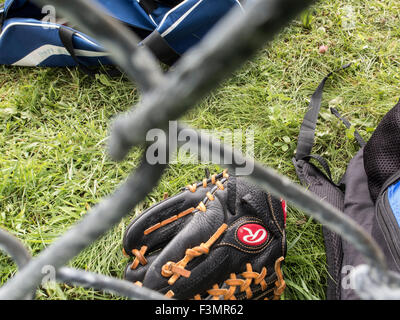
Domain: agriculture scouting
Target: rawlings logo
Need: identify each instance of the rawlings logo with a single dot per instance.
(252, 234)
(283, 202)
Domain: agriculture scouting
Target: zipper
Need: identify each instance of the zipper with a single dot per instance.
(389, 182)
(387, 221)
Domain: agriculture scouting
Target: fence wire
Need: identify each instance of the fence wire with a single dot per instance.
(166, 97)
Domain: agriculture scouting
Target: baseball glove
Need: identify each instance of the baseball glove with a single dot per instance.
(222, 238)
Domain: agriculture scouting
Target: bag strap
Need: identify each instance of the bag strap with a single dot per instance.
(66, 37)
(1, 18)
(324, 164)
(307, 130)
(160, 48)
(346, 122)
(306, 137)
(2, 15)
(150, 5)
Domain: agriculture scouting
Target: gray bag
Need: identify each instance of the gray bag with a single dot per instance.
(368, 192)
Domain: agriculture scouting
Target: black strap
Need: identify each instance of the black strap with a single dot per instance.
(346, 122)
(324, 164)
(148, 5)
(160, 48)
(307, 129)
(66, 37)
(1, 21)
(171, 3)
(2, 16)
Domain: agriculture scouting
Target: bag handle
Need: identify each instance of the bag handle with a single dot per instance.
(160, 48)
(150, 5)
(66, 37)
(347, 124)
(306, 137)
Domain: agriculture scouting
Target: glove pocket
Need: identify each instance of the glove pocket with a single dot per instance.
(388, 215)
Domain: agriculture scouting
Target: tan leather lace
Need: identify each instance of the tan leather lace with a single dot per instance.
(168, 221)
(139, 254)
(176, 270)
(248, 278)
(139, 257)
(201, 206)
(214, 180)
(280, 284)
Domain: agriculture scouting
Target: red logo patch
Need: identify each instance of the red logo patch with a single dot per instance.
(283, 202)
(252, 234)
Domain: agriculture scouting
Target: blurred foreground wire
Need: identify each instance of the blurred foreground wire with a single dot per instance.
(167, 97)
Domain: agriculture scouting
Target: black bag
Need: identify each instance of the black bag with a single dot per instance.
(368, 192)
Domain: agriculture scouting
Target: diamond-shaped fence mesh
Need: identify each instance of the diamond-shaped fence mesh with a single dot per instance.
(166, 97)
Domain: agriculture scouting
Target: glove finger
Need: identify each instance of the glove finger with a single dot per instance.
(156, 226)
(214, 246)
(136, 275)
(205, 221)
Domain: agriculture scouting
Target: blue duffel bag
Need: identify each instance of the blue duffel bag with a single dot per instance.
(33, 36)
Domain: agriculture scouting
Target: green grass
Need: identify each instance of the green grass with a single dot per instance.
(54, 124)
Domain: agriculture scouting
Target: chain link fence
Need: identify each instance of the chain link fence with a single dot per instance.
(166, 97)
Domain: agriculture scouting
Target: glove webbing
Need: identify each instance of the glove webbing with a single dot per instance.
(175, 270)
(249, 276)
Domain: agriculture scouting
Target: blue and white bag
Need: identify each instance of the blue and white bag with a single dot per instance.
(32, 36)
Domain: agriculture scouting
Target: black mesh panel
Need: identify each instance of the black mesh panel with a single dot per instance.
(382, 152)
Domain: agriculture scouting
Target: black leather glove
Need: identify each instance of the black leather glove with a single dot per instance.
(222, 238)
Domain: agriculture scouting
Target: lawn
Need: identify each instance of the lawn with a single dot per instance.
(54, 124)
